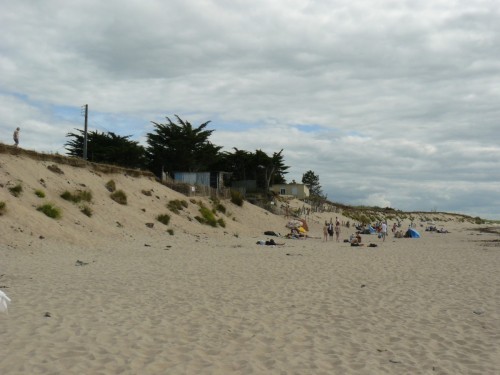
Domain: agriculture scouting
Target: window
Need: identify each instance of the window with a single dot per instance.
(282, 191)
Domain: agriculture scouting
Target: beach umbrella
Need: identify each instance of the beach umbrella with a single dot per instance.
(4, 302)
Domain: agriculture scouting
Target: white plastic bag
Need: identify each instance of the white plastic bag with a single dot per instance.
(4, 302)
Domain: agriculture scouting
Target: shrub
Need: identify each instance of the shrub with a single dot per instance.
(111, 186)
(207, 217)
(164, 219)
(40, 193)
(119, 196)
(86, 210)
(54, 168)
(221, 222)
(236, 198)
(85, 195)
(146, 192)
(170, 231)
(66, 195)
(221, 208)
(177, 205)
(2, 208)
(16, 190)
(77, 196)
(50, 210)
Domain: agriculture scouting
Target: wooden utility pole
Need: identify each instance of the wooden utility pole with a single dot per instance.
(85, 132)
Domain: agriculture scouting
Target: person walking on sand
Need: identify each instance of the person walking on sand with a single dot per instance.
(383, 232)
(325, 232)
(337, 231)
(330, 229)
(16, 137)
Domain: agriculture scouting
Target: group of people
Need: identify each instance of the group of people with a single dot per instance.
(329, 229)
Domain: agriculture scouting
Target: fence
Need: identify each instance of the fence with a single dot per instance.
(190, 190)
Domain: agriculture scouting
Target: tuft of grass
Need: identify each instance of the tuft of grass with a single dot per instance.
(86, 210)
(147, 193)
(78, 196)
(170, 231)
(40, 193)
(177, 205)
(119, 196)
(50, 210)
(16, 190)
(3, 206)
(207, 217)
(221, 222)
(236, 198)
(164, 219)
(111, 186)
(54, 168)
(221, 208)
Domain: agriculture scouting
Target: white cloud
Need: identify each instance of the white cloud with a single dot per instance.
(386, 101)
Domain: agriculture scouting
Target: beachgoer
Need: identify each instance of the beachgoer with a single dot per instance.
(383, 232)
(325, 232)
(356, 240)
(337, 231)
(16, 137)
(330, 229)
(271, 242)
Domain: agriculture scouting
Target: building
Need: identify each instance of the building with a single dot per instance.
(299, 191)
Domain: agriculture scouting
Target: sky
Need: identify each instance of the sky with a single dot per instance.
(392, 103)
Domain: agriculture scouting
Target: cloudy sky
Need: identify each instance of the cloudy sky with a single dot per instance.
(391, 102)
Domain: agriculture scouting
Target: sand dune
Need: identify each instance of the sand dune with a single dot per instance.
(91, 296)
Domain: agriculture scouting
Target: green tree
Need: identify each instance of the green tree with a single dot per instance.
(259, 166)
(273, 167)
(181, 147)
(312, 181)
(108, 148)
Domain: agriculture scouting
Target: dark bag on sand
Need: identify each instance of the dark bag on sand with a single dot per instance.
(372, 245)
(271, 233)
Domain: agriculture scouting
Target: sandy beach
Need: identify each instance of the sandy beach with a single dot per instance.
(109, 294)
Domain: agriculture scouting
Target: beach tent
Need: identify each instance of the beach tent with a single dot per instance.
(368, 230)
(412, 233)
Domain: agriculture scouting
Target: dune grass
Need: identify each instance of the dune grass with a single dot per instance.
(50, 210)
(77, 196)
(164, 219)
(111, 186)
(177, 205)
(16, 190)
(119, 196)
(40, 193)
(86, 210)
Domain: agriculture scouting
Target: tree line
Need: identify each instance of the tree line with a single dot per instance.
(181, 147)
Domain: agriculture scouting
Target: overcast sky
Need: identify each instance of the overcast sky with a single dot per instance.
(391, 102)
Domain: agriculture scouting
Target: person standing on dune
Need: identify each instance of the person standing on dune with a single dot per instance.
(16, 137)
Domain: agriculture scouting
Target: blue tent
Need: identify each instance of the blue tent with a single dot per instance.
(368, 230)
(412, 233)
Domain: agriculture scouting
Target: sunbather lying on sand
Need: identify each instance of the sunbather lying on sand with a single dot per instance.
(270, 242)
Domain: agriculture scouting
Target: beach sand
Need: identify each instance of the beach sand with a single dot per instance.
(109, 295)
